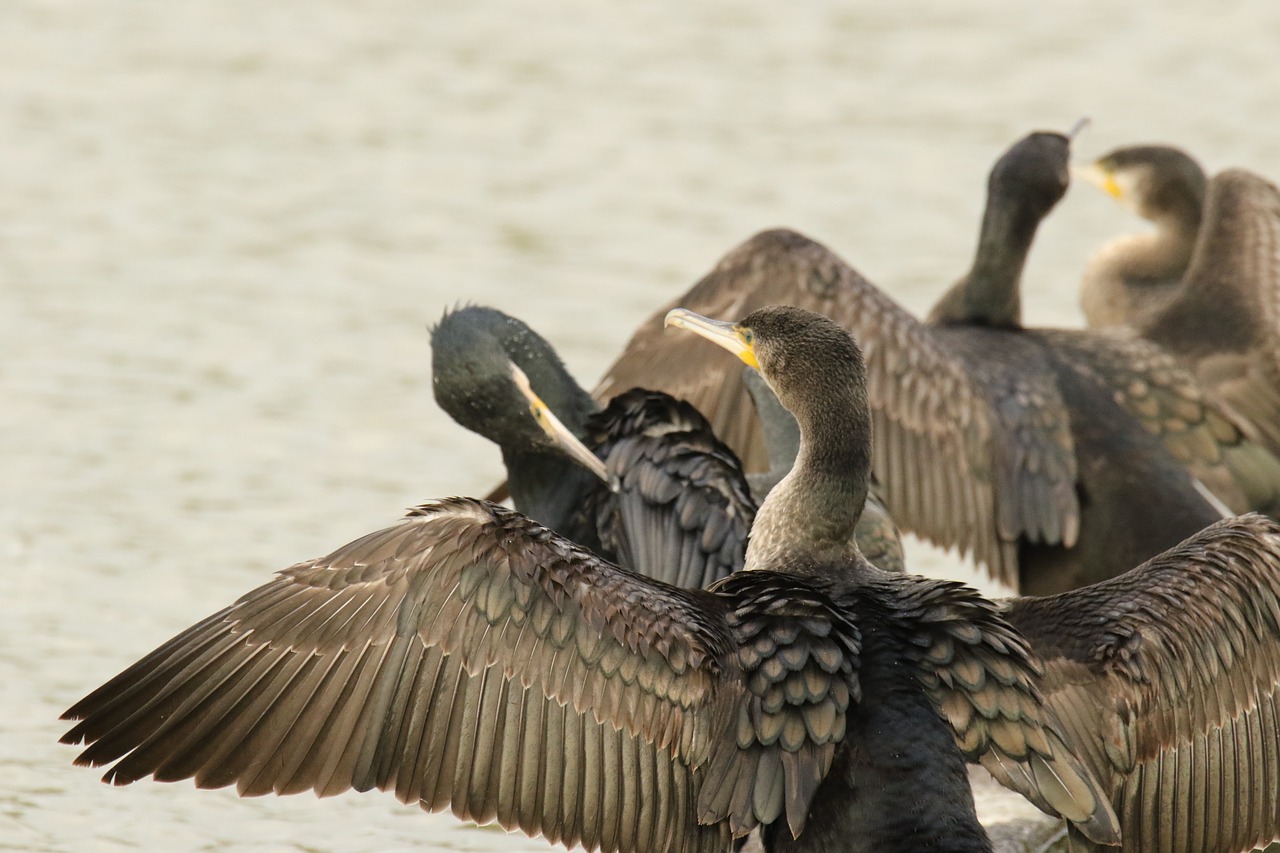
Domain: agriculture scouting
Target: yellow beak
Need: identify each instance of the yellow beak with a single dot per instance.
(556, 430)
(731, 336)
(1102, 178)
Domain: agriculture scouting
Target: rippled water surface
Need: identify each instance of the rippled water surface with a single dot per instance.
(225, 227)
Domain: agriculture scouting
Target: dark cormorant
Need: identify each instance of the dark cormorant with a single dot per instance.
(1166, 677)
(469, 658)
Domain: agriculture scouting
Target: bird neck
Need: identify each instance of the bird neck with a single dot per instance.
(547, 487)
(779, 427)
(811, 515)
(990, 293)
(1160, 256)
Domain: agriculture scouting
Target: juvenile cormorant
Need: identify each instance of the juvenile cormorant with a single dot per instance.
(1133, 276)
(1217, 308)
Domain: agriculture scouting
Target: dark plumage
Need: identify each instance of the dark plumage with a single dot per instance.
(673, 494)
(1216, 303)
(473, 350)
(1055, 457)
(472, 659)
(1167, 680)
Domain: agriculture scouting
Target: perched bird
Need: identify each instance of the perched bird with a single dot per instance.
(489, 367)
(1133, 276)
(1056, 458)
(1215, 304)
(470, 658)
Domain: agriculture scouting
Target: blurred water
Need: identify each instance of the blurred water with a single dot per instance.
(224, 228)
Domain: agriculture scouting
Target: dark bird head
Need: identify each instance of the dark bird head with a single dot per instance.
(1025, 184)
(1154, 181)
(1033, 174)
(473, 350)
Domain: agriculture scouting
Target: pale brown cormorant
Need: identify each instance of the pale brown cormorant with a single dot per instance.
(1218, 309)
(1131, 277)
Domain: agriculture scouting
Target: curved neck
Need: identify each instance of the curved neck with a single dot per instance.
(1161, 256)
(812, 513)
(990, 293)
(549, 488)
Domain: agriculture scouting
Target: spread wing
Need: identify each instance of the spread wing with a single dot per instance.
(1225, 322)
(936, 435)
(980, 675)
(467, 658)
(679, 507)
(1166, 680)
(1154, 387)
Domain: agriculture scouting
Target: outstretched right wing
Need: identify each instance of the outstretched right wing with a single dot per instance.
(1167, 682)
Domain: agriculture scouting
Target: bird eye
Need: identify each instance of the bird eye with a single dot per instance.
(748, 337)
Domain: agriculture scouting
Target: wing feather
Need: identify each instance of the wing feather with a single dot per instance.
(983, 680)
(1180, 659)
(1225, 320)
(439, 658)
(450, 669)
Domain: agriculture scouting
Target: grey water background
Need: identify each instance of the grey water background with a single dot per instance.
(225, 228)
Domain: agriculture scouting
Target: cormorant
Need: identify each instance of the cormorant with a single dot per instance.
(469, 658)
